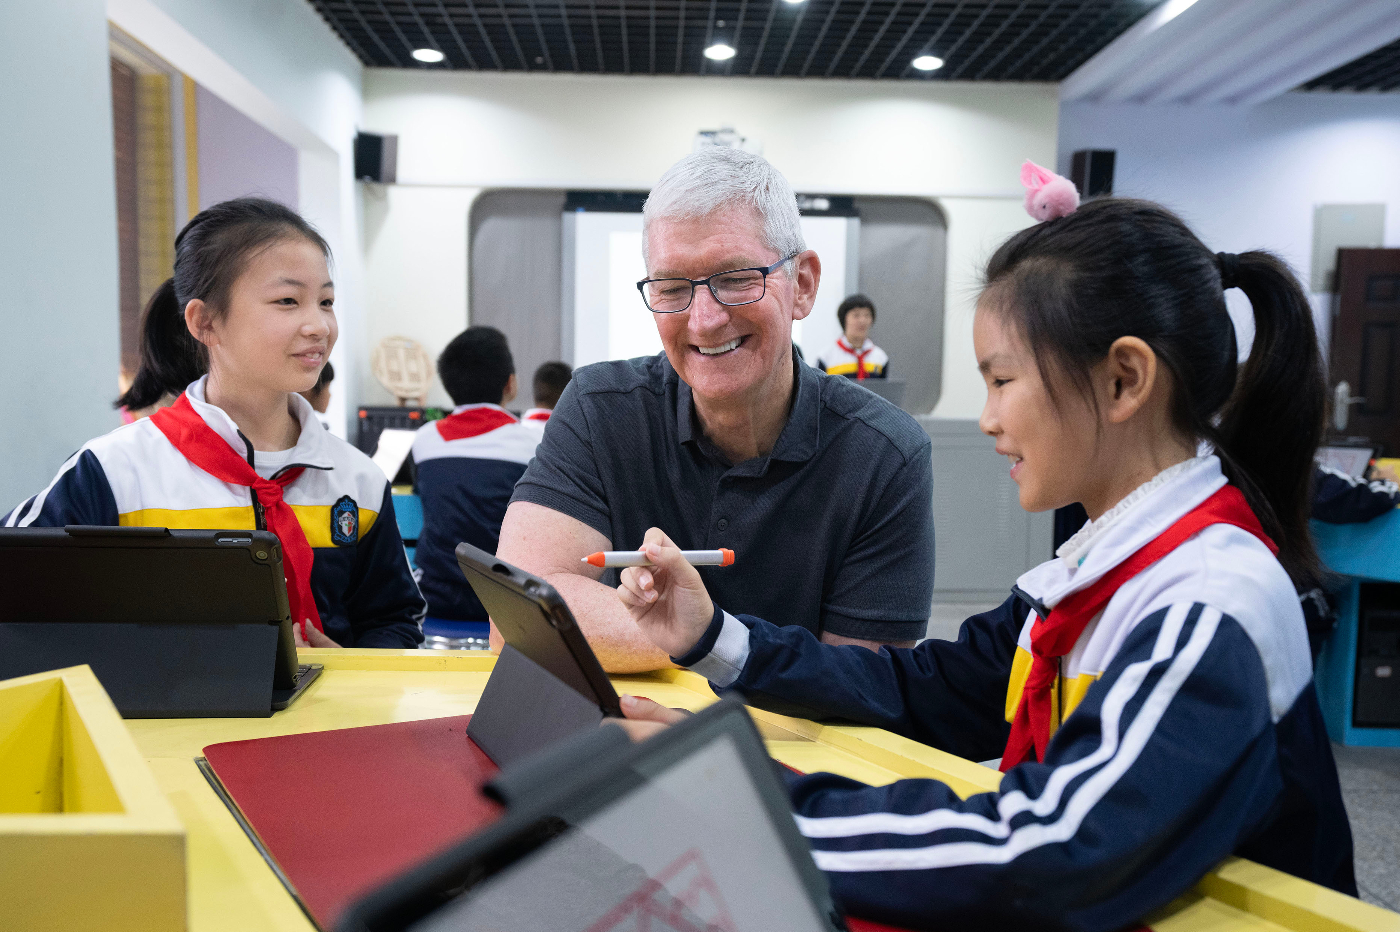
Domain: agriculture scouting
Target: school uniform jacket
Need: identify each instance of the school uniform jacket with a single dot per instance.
(467, 466)
(839, 360)
(1340, 498)
(1189, 730)
(360, 576)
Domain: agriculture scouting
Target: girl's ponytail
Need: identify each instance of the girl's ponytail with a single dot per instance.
(170, 357)
(1270, 427)
(210, 254)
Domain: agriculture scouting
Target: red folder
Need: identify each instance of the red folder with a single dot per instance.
(342, 812)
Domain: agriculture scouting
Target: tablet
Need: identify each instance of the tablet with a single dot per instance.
(174, 623)
(691, 831)
(533, 620)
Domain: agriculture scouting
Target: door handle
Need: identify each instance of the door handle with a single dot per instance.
(1342, 401)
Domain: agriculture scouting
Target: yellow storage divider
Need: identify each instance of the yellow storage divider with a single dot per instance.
(85, 831)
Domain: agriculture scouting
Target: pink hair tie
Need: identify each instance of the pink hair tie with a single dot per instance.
(1048, 196)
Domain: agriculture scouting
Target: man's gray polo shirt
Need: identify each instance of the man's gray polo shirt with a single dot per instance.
(832, 530)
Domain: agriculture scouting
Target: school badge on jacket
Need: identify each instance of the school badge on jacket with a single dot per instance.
(345, 522)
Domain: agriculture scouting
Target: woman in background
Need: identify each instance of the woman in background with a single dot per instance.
(854, 355)
(246, 323)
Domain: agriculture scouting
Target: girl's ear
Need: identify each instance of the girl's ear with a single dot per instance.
(200, 322)
(1131, 376)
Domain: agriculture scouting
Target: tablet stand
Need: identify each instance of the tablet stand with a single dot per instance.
(525, 709)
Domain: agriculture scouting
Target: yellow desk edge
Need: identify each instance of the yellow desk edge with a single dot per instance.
(1237, 895)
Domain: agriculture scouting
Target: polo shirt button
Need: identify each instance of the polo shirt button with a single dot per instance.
(723, 523)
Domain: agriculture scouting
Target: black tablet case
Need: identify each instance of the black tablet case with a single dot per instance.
(174, 623)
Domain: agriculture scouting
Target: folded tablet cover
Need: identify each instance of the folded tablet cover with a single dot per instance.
(342, 812)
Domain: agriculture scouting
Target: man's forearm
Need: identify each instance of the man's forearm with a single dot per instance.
(614, 636)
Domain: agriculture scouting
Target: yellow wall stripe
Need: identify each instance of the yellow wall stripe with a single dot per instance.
(191, 148)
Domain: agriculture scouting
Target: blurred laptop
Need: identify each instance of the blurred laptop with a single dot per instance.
(690, 830)
(892, 390)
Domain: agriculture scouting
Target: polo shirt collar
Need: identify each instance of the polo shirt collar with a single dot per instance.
(801, 434)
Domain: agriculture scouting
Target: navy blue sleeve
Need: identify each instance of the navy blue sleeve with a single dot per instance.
(79, 494)
(383, 602)
(884, 586)
(1167, 766)
(947, 694)
(1340, 499)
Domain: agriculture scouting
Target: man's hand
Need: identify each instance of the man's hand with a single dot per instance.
(308, 635)
(645, 718)
(667, 600)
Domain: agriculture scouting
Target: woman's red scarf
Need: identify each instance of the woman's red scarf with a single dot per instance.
(202, 446)
(1054, 636)
(858, 354)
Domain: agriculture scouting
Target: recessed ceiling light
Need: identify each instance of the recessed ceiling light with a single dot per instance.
(431, 56)
(720, 52)
(794, 2)
(928, 63)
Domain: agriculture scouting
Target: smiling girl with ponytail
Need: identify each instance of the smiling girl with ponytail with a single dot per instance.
(246, 323)
(1148, 691)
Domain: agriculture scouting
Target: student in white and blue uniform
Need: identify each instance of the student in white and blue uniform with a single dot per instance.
(467, 466)
(246, 323)
(1149, 690)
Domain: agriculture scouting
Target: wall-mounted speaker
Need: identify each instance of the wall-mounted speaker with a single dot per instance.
(1091, 170)
(376, 158)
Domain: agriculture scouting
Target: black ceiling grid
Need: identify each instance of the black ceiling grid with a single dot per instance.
(982, 40)
(1378, 71)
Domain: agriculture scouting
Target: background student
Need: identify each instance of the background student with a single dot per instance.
(548, 384)
(319, 397)
(854, 355)
(467, 465)
(246, 323)
(1149, 689)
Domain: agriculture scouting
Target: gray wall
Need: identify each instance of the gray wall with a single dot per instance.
(983, 539)
(237, 157)
(903, 265)
(58, 239)
(516, 245)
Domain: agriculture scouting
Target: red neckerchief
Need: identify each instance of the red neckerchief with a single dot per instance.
(860, 356)
(199, 444)
(537, 416)
(1053, 637)
(473, 422)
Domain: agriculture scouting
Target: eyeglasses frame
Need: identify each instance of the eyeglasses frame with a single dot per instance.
(641, 285)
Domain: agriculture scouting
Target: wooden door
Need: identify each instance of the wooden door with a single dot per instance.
(1365, 352)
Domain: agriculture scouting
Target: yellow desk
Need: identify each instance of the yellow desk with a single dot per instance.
(232, 888)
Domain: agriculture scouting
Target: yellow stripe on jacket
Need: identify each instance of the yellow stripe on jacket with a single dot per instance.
(1065, 695)
(850, 368)
(315, 520)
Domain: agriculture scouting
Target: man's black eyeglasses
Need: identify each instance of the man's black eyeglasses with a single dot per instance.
(732, 288)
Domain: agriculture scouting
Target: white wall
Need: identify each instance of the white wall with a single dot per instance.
(58, 239)
(1249, 177)
(961, 144)
(278, 63)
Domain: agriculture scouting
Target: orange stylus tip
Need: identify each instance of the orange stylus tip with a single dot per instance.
(594, 559)
(728, 556)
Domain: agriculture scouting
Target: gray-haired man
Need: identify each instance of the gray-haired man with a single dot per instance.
(822, 489)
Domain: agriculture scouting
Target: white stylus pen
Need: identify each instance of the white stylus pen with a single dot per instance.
(618, 558)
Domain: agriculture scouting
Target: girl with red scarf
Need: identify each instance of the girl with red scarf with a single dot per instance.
(246, 323)
(855, 355)
(1148, 691)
